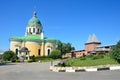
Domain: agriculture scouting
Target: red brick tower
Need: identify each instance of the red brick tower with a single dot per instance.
(91, 43)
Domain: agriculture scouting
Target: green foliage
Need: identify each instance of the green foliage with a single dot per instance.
(9, 56)
(68, 62)
(55, 54)
(64, 47)
(39, 59)
(94, 57)
(14, 58)
(82, 58)
(32, 59)
(61, 64)
(115, 52)
(89, 61)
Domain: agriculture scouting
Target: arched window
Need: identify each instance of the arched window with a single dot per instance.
(33, 30)
(39, 52)
(29, 30)
(48, 51)
(16, 51)
(38, 30)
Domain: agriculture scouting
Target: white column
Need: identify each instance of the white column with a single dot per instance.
(42, 35)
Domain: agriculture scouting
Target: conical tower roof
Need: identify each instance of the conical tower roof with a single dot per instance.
(92, 39)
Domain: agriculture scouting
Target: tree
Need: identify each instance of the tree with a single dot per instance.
(64, 47)
(9, 56)
(55, 54)
(115, 52)
(68, 47)
(59, 46)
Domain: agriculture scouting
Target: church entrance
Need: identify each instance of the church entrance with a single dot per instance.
(48, 51)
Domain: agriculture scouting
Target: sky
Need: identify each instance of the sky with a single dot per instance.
(66, 20)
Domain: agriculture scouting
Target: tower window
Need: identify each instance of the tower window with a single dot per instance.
(29, 29)
(38, 30)
(33, 30)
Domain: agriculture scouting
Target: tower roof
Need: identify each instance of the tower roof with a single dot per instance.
(92, 39)
(34, 21)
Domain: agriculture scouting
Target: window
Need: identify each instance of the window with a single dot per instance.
(48, 51)
(38, 30)
(39, 52)
(30, 30)
(26, 53)
(33, 30)
(16, 51)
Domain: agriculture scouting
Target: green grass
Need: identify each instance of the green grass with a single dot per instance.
(89, 61)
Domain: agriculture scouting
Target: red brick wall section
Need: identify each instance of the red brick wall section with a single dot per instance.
(79, 53)
(90, 47)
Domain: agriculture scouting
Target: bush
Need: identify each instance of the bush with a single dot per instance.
(17, 60)
(9, 56)
(55, 54)
(30, 60)
(68, 62)
(33, 58)
(115, 52)
(40, 58)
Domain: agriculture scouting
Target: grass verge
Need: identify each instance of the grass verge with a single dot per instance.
(89, 61)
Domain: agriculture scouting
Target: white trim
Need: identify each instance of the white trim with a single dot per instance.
(114, 67)
(16, 42)
(31, 42)
(92, 69)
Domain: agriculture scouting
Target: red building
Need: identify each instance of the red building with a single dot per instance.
(92, 46)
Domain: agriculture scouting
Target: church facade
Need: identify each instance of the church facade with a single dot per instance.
(34, 42)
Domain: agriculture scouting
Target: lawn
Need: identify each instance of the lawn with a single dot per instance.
(90, 61)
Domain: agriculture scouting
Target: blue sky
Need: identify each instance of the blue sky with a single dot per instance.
(66, 20)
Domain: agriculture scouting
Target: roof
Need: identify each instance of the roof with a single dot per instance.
(34, 21)
(101, 46)
(92, 39)
(31, 38)
(24, 49)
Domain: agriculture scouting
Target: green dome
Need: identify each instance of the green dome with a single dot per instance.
(34, 20)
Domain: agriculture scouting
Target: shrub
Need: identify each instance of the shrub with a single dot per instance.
(17, 60)
(42, 58)
(9, 56)
(30, 60)
(68, 62)
(115, 52)
(55, 54)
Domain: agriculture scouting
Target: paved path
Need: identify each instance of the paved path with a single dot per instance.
(40, 71)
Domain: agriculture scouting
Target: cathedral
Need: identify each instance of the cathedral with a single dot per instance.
(34, 42)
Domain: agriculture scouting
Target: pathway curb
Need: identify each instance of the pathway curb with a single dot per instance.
(83, 69)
